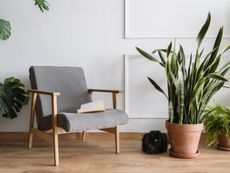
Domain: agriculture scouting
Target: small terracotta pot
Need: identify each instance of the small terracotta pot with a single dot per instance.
(184, 139)
(224, 142)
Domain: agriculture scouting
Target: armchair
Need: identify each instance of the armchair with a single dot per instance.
(57, 93)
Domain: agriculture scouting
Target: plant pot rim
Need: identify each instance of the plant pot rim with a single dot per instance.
(167, 122)
(183, 127)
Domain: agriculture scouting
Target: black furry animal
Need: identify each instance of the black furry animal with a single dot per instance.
(154, 142)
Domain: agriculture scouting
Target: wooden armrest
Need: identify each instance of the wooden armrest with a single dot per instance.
(114, 94)
(103, 90)
(45, 92)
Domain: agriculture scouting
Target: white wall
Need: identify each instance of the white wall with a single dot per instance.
(87, 33)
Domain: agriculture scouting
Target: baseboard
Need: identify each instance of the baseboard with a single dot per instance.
(23, 136)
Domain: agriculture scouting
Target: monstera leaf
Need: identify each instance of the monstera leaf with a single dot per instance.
(42, 5)
(12, 97)
(5, 29)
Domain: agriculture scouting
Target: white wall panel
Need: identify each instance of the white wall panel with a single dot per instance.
(174, 18)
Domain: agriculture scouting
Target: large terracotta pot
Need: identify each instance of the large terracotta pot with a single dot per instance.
(223, 142)
(184, 139)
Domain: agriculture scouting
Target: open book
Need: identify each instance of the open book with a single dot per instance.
(95, 106)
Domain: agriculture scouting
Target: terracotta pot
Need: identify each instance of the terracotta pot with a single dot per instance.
(224, 142)
(184, 139)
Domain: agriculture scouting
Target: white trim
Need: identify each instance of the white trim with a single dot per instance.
(126, 95)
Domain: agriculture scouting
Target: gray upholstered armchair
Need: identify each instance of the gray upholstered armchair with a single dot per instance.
(57, 93)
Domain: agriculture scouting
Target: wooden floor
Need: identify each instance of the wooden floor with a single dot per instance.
(96, 155)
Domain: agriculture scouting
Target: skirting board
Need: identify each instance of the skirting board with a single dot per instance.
(134, 125)
(23, 136)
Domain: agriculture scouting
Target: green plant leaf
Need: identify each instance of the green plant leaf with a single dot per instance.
(203, 30)
(12, 97)
(42, 5)
(216, 121)
(169, 49)
(5, 29)
(216, 46)
(161, 57)
(162, 50)
(148, 56)
(217, 76)
(156, 86)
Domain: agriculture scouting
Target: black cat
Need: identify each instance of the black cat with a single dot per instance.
(154, 142)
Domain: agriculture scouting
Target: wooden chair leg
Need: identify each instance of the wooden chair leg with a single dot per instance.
(32, 115)
(56, 149)
(83, 135)
(117, 140)
(30, 139)
(54, 127)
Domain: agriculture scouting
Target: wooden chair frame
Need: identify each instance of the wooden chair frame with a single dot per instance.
(52, 136)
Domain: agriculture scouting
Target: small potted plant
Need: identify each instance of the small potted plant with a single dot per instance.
(12, 97)
(217, 126)
(190, 85)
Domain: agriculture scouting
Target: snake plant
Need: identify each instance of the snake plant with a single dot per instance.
(12, 97)
(217, 122)
(190, 85)
(5, 27)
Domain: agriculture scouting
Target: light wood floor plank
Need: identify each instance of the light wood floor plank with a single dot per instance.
(96, 155)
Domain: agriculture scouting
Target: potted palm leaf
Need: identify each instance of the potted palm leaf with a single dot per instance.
(190, 85)
(217, 126)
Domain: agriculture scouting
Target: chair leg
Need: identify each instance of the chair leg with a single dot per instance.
(30, 139)
(54, 127)
(83, 135)
(117, 140)
(32, 114)
(56, 149)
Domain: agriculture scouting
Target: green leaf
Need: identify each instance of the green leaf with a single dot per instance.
(169, 49)
(162, 50)
(216, 45)
(217, 76)
(42, 5)
(203, 30)
(12, 97)
(161, 57)
(157, 86)
(5, 29)
(148, 56)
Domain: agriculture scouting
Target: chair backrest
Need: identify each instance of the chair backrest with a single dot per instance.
(69, 81)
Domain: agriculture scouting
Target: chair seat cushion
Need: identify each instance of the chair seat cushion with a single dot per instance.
(71, 122)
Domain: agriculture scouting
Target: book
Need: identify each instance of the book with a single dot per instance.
(95, 106)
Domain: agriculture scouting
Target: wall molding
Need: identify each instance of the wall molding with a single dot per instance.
(134, 115)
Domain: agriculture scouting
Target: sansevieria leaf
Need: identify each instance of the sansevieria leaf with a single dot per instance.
(217, 76)
(203, 30)
(157, 86)
(147, 55)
